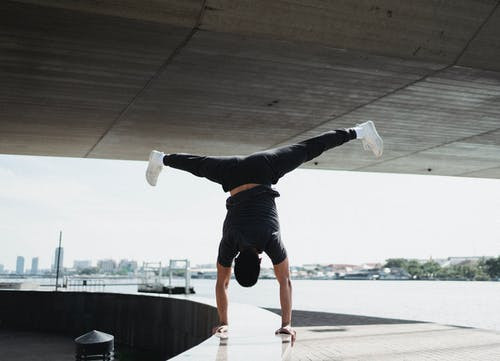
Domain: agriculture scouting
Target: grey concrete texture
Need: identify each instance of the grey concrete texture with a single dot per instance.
(162, 325)
(403, 342)
(114, 80)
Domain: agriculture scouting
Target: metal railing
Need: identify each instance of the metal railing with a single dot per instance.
(83, 284)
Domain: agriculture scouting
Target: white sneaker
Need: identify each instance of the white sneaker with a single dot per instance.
(155, 166)
(371, 140)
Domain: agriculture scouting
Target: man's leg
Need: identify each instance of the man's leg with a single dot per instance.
(275, 163)
(212, 168)
(287, 158)
(271, 164)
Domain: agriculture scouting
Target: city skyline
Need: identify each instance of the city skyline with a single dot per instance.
(106, 210)
(82, 264)
(109, 264)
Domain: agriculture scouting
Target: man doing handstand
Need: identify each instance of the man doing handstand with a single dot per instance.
(251, 225)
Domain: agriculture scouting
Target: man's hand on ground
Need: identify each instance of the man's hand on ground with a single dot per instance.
(220, 331)
(287, 330)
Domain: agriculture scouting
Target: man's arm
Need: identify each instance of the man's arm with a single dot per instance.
(282, 272)
(223, 277)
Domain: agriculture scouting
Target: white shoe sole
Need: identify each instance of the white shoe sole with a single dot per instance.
(372, 140)
(155, 166)
(222, 332)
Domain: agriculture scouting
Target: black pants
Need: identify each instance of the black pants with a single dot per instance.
(265, 167)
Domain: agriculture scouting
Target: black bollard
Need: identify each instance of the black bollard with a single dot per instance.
(95, 345)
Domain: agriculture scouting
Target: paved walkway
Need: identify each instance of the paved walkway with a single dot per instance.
(340, 337)
(330, 336)
(391, 342)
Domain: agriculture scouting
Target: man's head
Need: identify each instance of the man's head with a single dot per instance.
(247, 267)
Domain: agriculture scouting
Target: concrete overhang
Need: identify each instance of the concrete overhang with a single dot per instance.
(108, 79)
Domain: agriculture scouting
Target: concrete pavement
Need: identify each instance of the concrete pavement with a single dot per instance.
(396, 342)
(351, 338)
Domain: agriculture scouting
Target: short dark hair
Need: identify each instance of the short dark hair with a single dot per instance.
(247, 267)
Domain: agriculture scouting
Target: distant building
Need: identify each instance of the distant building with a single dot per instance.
(339, 270)
(58, 252)
(1, 268)
(81, 264)
(106, 265)
(452, 261)
(343, 268)
(34, 266)
(126, 265)
(394, 273)
(371, 265)
(20, 265)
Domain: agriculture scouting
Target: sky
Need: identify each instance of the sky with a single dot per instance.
(106, 209)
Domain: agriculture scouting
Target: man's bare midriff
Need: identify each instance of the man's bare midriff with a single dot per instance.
(242, 188)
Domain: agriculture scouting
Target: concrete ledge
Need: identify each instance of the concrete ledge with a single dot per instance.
(251, 337)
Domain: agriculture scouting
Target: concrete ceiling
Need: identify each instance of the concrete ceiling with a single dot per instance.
(109, 79)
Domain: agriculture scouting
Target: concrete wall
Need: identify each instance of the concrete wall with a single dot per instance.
(115, 79)
(163, 325)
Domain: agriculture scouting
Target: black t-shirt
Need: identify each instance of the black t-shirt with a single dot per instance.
(252, 221)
